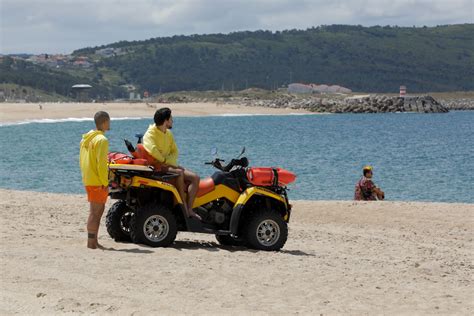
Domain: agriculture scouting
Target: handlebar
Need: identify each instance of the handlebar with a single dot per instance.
(243, 162)
(217, 161)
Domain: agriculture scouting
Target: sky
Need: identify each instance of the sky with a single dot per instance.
(61, 26)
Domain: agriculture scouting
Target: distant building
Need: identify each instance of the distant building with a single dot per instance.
(82, 61)
(299, 88)
(134, 96)
(82, 92)
(314, 88)
(129, 87)
(109, 52)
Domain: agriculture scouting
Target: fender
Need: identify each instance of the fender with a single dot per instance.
(244, 198)
(140, 182)
(220, 191)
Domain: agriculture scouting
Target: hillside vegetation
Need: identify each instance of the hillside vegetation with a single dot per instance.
(51, 81)
(370, 59)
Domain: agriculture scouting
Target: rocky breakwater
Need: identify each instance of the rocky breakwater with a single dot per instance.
(461, 104)
(384, 104)
(355, 104)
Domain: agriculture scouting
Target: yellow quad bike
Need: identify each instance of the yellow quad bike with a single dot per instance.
(242, 206)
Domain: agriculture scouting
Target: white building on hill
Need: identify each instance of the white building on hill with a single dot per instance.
(314, 88)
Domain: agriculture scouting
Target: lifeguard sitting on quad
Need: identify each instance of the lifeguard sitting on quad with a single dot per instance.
(241, 205)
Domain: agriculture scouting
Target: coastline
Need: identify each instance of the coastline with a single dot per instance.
(24, 112)
(340, 257)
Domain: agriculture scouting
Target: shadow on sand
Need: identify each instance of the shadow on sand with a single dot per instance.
(213, 246)
(205, 245)
(134, 250)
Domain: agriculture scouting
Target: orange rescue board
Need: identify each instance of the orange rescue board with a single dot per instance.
(264, 176)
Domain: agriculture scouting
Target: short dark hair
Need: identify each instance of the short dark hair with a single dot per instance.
(161, 116)
(101, 117)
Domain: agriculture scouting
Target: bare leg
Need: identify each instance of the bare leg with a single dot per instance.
(181, 185)
(193, 180)
(93, 222)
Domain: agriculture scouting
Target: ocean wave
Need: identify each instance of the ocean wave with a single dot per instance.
(262, 114)
(63, 120)
(303, 114)
(85, 119)
(236, 114)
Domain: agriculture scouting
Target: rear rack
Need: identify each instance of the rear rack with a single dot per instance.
(139, 170)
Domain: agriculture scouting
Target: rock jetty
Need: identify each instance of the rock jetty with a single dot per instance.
(461, 104)
(355, 104)
(335, 103)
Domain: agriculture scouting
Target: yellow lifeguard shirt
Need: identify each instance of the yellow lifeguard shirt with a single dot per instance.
(93, 152)
(161, 145)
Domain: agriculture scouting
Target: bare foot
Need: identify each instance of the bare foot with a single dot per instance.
(194, 215)
(94, 244)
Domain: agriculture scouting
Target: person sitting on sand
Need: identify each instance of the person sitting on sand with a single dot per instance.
(159, 142)
(94, 148)
(365, 189)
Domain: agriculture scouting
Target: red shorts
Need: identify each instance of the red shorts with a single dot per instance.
(97, 194)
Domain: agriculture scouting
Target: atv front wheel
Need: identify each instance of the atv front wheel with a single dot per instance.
(226, 240)
(117, 221)
(153, 225)
(266, 230)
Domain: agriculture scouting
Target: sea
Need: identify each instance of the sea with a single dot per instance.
(416, 157)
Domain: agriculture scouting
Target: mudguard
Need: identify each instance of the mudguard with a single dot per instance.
(140, 182)
(244, 198)
(220, 191)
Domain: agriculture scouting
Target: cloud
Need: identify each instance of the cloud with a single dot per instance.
(52, 26)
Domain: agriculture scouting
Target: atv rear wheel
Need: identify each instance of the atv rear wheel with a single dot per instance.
(117, 221)
(153, 225)
(227, 240)
(266, 230)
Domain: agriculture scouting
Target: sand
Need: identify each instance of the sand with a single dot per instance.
(341, 257)
(17, 112)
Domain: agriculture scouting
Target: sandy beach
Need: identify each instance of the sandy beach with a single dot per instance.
(341, 257)
(18, 112)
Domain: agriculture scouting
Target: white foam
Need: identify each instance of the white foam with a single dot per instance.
(263, 114)
(236, 114)
(69, 119)
(85, 119)
(302, 114)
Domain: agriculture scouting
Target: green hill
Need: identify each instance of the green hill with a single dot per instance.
(53, 81)
(372, 59)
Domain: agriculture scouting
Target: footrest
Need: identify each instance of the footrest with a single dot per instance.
(194, 225)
